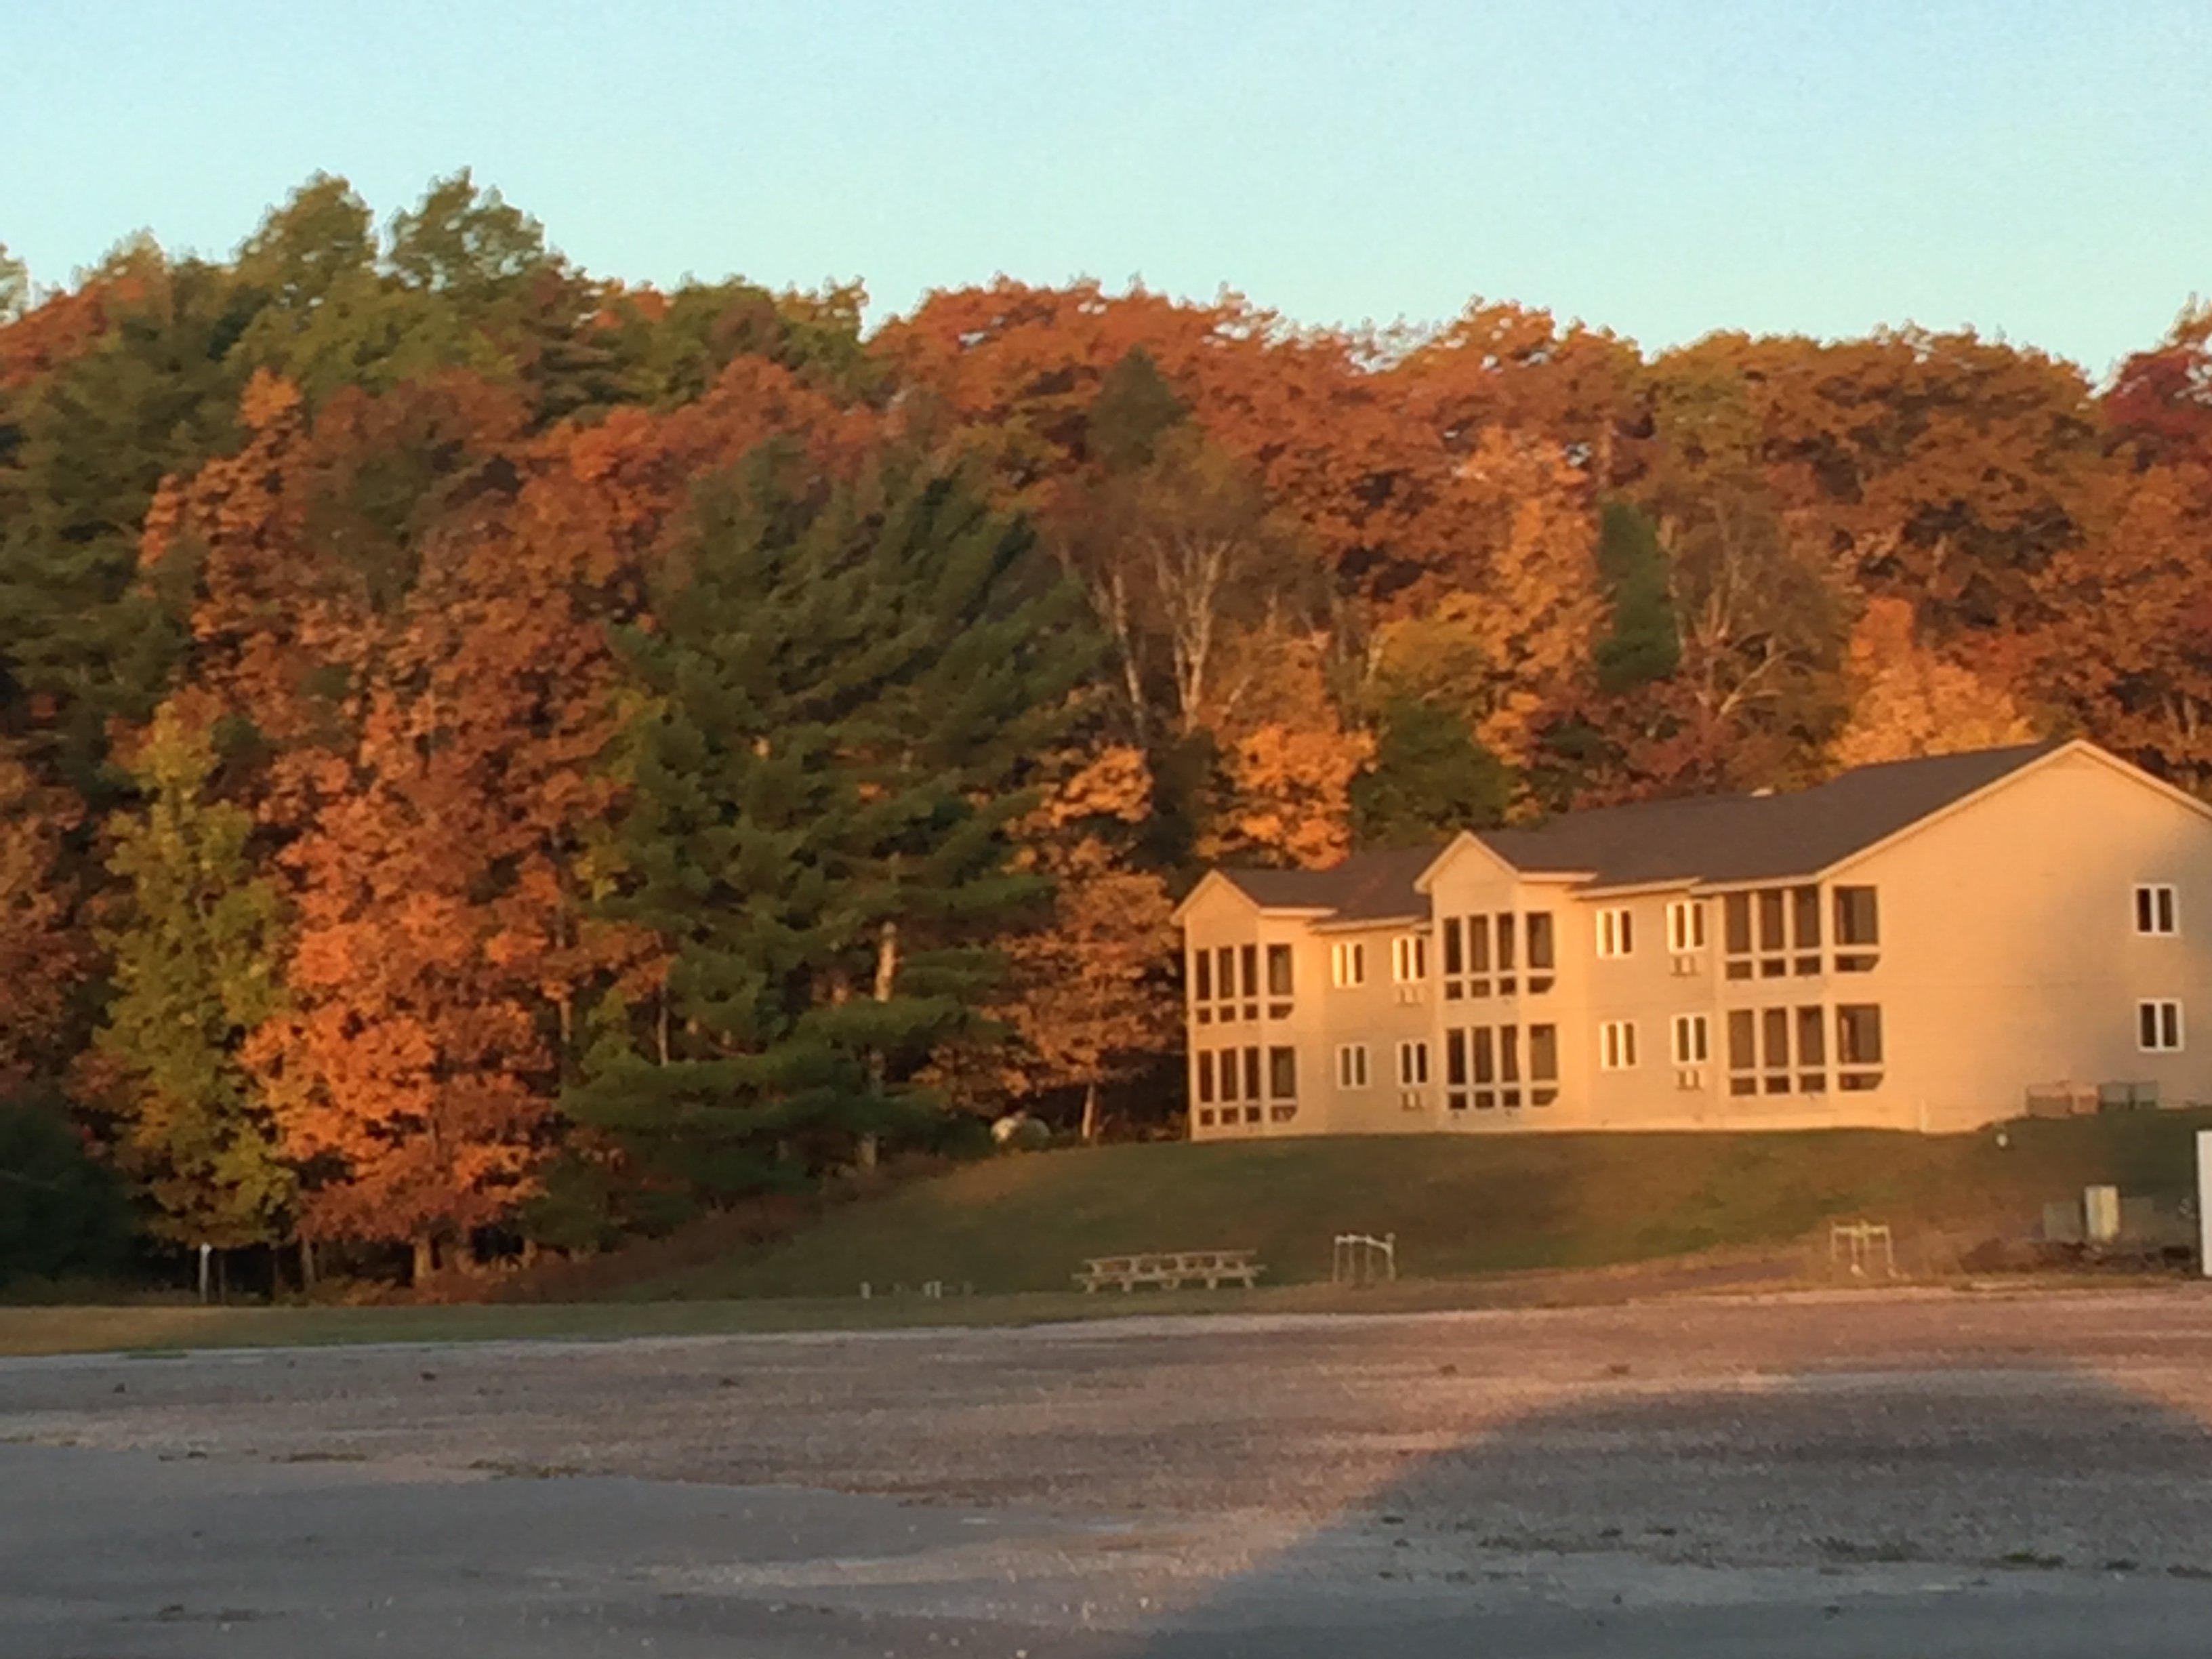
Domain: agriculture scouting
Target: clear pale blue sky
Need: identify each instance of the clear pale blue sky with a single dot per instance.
(2041, 169)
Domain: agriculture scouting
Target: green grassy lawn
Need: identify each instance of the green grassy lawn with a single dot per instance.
(1466, 1212)
(1459, 1206)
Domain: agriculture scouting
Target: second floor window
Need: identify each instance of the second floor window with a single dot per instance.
(1686, 926)
(1409, 958)
(1616, 933)
(1858, 929)
(1279, 971)
(2156, 911)
(1348, 962)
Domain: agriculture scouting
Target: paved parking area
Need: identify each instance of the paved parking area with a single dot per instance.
(1932, 1473)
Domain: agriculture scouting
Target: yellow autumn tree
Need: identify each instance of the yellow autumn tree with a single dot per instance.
(1089, 992)
(1908, 700)
(1288, 758)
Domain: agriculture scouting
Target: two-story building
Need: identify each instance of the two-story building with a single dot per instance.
(1915, 945)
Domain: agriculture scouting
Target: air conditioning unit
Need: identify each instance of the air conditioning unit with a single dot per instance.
(1411, 1100)
(1689, 1076)
(1685, 964)
(1408, 994)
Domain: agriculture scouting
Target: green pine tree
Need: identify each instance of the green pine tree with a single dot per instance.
(847, 685)
(1645, 644)
(1429, 778)
(194, 955)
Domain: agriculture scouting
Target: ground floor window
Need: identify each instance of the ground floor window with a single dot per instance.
(1351, 1065)
(1487, 1068)
(1616, 1045)
(2158, 1026)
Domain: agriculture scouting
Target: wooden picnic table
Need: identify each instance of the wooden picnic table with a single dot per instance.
(1171, 1269)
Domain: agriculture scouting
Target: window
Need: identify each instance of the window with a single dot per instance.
(1351, 1065)
(1251, 977)
(1283, 1074)
(1347, 963)
(1224, 983)
(1805, 928)
(1774, 1042)
(1543, 1064)
(1538, 925)
(2158, 1027)
(1743, 1055)
(1686, 926)
(1616, 933)
(1279, 970)
(2155, 911)
(1201, 975)
(1859, 1045)
(1455, 956)
(1812, 1051)
(1616, 1045)
(1409, 958)
(1251, 1074)
(1413, 1065)
(1205, 1076)
(1227, 1059)
(1692, 1040)
(1858, 929)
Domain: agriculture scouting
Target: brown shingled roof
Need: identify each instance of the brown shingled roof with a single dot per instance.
(1710, 838)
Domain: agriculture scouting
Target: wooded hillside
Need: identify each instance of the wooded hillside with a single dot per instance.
(488, 752)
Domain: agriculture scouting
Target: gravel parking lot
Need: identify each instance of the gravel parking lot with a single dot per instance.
(1931, 1473)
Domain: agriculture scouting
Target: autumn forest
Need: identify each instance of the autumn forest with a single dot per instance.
(495, 759)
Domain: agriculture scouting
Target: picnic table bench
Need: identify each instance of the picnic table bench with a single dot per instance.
(1171, 1269)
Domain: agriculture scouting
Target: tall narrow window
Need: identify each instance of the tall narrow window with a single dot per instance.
(1205, 1077)
(1509, 1064)
(1543, 1064)
(1351, 1065)
(1455, 956)
(1283, 1074)
(1279, 970)
(1805, 929)
(2158, 1026)
(1616, 1045)
(2156, 911)
(1812, 1051)
(1228, 1059)
(1347, 961)
(1686, 926)
(1224, 983)
(1251, 977)
(1505, 941)
(1537, 925)
(1409, 958)
(1743, 1055)
(1456, 1069)
(1251, 1074)
(1201, 975)
(1735, 933)
(1616, 933)
(1774, 1040)
(1859, 1045)
(1858, 929)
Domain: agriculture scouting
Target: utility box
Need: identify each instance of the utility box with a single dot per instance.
(2100, 1214)
(2204, 1199)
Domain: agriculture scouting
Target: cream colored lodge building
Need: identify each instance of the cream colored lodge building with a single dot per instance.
(1917, 945)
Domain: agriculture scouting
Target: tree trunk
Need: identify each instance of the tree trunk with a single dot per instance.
(886, 982)
(307, 1264)
(1091, 1111)
(425, 1263)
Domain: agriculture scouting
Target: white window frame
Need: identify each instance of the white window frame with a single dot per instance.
(1414, 1063)
(1351, 1065)
(2163, 897)
(1409, 959)
(1616, 1045)
(1693, 1039)
(1347, 963)
(1616, 933)
(2172, 1037)
(1686, 926)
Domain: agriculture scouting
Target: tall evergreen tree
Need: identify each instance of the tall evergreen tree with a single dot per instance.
(195, 975)
(1429, 778)
(847, 684)
(1643, 643)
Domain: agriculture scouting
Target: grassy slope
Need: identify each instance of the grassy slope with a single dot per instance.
(1459, 1206)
